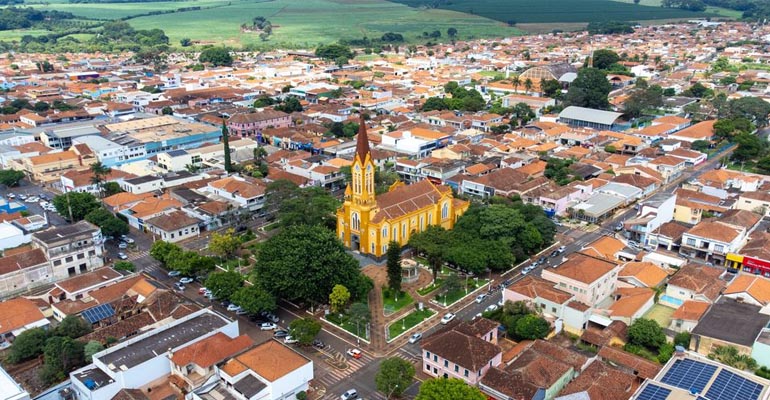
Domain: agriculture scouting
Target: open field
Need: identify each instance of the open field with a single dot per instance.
(297, 24)
(543, 11)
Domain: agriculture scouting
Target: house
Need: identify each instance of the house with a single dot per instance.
(690, 206)
(18, 315)
(245, 192)
(689, 375)
(12, 236)
(639, 366)
(754, 257)
(71, 249)
(629, 304)
(691, 158)
(174, 226)
(269, 371)
(589, 279)
(729, 322)
(144, 359)
(22, 269)
(600, 381)
(148, 208)
(196, 363)
(465, 351)
(641, 274)
(11, 389)
(540, 293)
(686, 317)
(252, 124)
(500, 182)
(700, 131)
(608, 248)
(713, 239)
(653, 212)
(758, 202)
(752, 289)
(670, 167)
(540, 370)
(693, 282)
(80, 286)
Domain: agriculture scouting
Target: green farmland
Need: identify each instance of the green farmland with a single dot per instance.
(547, 11)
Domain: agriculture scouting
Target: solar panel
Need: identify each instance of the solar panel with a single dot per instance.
(689, 374)
(98, 313)
(731, 386)
(652, 392)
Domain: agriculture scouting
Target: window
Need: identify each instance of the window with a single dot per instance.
(719, 248)
(384, 232)
(91, 253)
(553, 309)
(690, 242)
(466, 373)
(57, 263)
(427, 367)
(68, 259)
(457, 368)
(446, 364)
(81, 256)
(445, 210)
(355, 221)
(435, 358)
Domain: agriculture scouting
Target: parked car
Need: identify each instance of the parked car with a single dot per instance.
(542, 260)
(415, 337)
(186, 280)
(233, 307)
(634, 244)
(351, 394)
(290, 340)
(241, 312)
(319, 344)
(272, 317)
(554, 253)
(22, 197)
(355, 353)
(280, 334)
(43, 196)
(203, 290)
(492, 307)
(122, 245)
(561, 249)
(128, 240)
(480, 298)
(178, 286)
(11, 196)
(619, 227)
(122, 256)
(225, 303)
(32, 199)
(174, 274)
(447, 318)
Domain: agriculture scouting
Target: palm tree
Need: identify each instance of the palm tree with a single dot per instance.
(99, 172)
(528, 85)
(515, 81)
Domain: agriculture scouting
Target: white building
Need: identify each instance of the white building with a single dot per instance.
(11, 389)
(11, 236)
(137, 362)
(71, 249)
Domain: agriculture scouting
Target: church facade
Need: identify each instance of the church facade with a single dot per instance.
(367, 222)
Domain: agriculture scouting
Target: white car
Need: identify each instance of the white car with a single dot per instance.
(128, 240)
(561, 249)
(186, 280)
(351, 394)
(492, 307)
(290, 340)
(447, 318)
(355, 353)
(122, 256)
(32, 199)
(480, 298)
(267, 326)
(233, 307)
(415, 337)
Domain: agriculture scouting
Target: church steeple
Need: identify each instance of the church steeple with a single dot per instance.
(361, 186)
(362, 141)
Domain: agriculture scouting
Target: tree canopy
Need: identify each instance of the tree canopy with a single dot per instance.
(448, 389)
(216, 56)
(394, 266)
(254, 299)
(604, 58)
(304, 330)
(589, 89)
(305, 262)
(81, 204)
(302, 206)
(224, 284)
(107, 222)
(394, 377)
(647, 333)
(11, 177)
(224, 244)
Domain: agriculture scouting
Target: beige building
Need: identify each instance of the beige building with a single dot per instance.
(50, 167)
(589, 279)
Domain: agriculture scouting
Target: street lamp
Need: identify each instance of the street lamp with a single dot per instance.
(392, 390)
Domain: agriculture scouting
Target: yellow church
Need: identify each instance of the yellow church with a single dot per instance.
(367, 223)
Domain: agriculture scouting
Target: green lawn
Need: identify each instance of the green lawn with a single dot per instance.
(453, 296)
(661, 314)
(391, 305)
(343, 323)
(409, 321)
(430, 288)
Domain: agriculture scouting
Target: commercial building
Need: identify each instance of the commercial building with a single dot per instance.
(71, 249)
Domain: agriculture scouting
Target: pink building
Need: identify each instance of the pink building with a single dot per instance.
(466, 351)
(251, 124)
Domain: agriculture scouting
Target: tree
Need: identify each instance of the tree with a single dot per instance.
(700, 145)
(698, 90)
(528, 85)
(124, 266)
(224, 244)
(451, 283)
(610, 149)
(107, 222)
(394, 377)
(81, 203)
(216, 56)
(185, 42)
(305, 262)
(226, 144)
(683, 339)
(73, 327)
(434, 103)
(451, 32)
(338, 298)
(515, 81)
(392, 37)
(551, 88)
(254, 299)
(334, 51)
(394, 266)
(224, 284)
(432, 242)
(167, 110)
(29, 344)
(304, 330)
(291, 104)
(308, 206)
(647, 333)
(448, 389)
(589, 89)
(11, 177)
(99, 172)
(532, 327)
(604, 58)
(753, 108)
(359, 314)
(91, 348)
(190, 263)
(729, 355)
(61, 355)
(749, 146)
(164, 251)
(111, 188)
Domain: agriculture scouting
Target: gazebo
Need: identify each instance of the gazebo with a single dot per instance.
(410, 271)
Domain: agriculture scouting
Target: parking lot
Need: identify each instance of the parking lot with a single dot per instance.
(27, 189)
